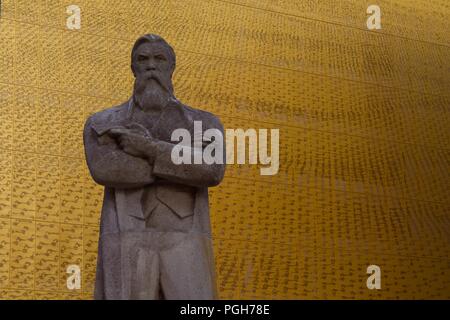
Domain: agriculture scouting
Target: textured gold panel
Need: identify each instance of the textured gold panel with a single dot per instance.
(341, 275)
(5, 251)
(48, 189)
(303, 100)
(422, 20)
(267, 38)
(16, 294)
(344, 162)
(5, 184)
(47, 247)
(23, 251)
(90, 239)
(258, 36)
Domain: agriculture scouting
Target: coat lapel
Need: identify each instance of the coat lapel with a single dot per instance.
(173, 116)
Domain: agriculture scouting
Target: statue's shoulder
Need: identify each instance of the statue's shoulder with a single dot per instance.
(101, 121)
(110, 114)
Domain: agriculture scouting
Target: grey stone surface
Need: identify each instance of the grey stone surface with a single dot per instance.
(155, 235)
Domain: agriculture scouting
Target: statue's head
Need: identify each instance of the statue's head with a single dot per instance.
(153, 63)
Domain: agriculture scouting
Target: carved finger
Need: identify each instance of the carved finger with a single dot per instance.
(117, 132)
(138, 128)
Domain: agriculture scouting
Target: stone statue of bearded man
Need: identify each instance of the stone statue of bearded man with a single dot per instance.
(155, 234)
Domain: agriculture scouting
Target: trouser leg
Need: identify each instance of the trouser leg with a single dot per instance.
(145, 281)
(187, 270)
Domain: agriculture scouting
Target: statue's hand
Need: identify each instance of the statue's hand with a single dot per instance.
(134, 142)
(138, 128)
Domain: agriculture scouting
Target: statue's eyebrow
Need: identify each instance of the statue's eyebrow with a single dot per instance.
(144, 52)
(159, 51)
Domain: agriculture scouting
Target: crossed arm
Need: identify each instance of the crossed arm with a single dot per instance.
(126, 158)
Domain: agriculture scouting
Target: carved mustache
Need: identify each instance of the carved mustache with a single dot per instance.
(143, 80)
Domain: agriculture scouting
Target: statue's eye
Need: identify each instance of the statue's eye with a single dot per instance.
(160, 57)
(142, 57)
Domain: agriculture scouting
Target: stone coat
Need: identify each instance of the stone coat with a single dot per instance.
(141, 261)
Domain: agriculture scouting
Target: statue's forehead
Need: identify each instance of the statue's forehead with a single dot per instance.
(151, 47)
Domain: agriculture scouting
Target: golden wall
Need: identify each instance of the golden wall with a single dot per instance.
(364, 140)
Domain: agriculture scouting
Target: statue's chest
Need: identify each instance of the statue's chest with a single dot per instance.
(148, 120)
(161, 125)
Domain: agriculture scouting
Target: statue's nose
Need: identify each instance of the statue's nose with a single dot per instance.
(150, 67)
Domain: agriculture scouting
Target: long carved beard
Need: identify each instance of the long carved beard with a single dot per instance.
(151, 94)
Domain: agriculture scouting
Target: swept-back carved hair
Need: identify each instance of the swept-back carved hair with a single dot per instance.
(153, 38)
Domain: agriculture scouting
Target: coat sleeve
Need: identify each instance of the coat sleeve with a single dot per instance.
(112, 167)
(197, 175)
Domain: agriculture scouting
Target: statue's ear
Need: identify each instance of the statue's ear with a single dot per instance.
(132, 70)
